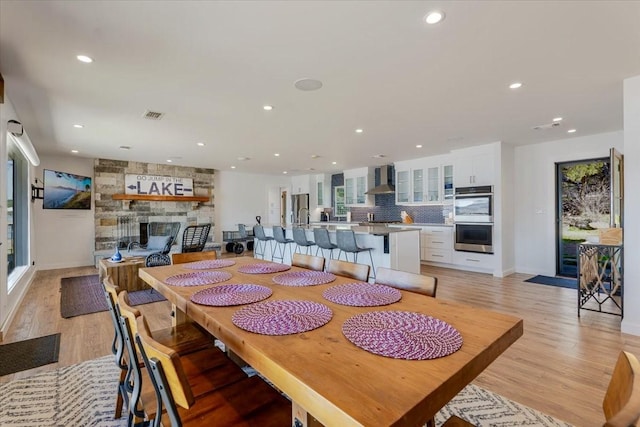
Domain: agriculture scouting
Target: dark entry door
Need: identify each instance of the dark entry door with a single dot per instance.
(583, 206)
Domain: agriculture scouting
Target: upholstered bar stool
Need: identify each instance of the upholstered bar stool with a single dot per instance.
(281, 243)
(322, 241)
(300, 237)
(346, 240)
(261, 245)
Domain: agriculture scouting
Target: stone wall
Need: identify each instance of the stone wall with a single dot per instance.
(109, 180)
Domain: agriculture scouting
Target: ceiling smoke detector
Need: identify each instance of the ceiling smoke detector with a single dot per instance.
(547, 126)
(152, 115)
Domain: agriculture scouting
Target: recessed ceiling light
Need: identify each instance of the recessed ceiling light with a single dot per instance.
(125, 147)
(571, 131)
(233, 167)
(84, 58)
(434, 17)
(200, 144)
(74, 151)
(515, 85)
(77, 126)
(268, 107)
(334, 163)
(379, 156)
(242, 159)
(359, 130)
(276, 154)
(169, 161)
(314, 156)
(284, 172)
(557, 119)
(308, 84)
(419, 146)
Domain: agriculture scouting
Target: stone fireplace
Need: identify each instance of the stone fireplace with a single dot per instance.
(119, 222)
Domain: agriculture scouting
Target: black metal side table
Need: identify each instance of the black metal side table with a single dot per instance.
(600, 278)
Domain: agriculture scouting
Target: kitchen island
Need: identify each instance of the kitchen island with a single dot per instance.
(392, 247)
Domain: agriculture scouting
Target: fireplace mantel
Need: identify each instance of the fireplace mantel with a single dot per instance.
(128, 198)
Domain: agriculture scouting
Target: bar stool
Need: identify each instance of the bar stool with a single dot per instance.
(278, 235)
(300, 237)
(258, 233)
(346, 240)
(322, 240)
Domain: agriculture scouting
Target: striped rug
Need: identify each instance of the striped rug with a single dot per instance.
(84, 395)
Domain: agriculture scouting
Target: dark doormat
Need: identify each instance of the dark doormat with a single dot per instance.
(83, 295)
(29, 354)
(554, 281)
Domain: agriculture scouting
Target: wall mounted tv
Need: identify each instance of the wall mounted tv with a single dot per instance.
(64, 190)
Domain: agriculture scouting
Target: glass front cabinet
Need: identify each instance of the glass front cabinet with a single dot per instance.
(424, 181)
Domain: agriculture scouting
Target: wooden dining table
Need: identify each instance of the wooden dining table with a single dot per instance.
(329, 378)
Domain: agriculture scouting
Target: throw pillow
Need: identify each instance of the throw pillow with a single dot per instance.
(157, 243)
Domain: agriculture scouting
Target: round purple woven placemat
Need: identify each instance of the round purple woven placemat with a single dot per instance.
(361, 294)
(198, 278)
(237, 294)
(304, 278)
(402, 335)
(264, 268)
(282, 317)
(210, 263)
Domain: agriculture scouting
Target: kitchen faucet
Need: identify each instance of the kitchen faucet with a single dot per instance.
(300, 222)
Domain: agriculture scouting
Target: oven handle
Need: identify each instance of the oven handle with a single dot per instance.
(473, 223)
(471, 195)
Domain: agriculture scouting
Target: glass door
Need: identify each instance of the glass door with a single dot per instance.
(340, 209)
(583, 207)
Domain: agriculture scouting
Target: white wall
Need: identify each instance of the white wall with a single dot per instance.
(534, 207)
(63, 238)
(239, 197)
(631, 321)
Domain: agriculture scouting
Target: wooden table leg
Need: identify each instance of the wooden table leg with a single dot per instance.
(178, 316)
(301, 418)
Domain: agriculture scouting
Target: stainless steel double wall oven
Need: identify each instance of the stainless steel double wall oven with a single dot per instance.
(473, 218)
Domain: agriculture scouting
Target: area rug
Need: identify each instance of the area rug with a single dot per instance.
(84, 394)
(83, 295)
(554, 281)
(28, 354)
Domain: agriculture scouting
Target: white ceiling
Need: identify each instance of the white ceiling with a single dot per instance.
(211, 66)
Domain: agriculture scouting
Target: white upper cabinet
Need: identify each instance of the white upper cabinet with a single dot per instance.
(424, 181)
(322, 188)
(474, 167)
(301, 184)
(356, 183)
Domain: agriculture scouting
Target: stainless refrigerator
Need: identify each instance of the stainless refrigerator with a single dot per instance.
(300, 209)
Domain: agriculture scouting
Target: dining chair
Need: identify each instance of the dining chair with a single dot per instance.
(193, 256)
(349, 269)
(199, 359)
(281, 243)
(195, 237)
(260, 247)
(346, 240)
(308, 261)
(157, 259)
(300, 237)
(117, 346)
(418, 283)
(323, 241)
(249, 401)
(621, 404)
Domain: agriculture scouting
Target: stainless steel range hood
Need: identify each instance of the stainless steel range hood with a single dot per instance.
(385, 186)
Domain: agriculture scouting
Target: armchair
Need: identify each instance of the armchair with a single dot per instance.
(161, 236)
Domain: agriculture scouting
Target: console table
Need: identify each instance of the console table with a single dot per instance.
(600, 278)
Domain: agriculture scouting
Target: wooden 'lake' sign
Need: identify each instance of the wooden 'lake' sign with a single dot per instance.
(158, 185)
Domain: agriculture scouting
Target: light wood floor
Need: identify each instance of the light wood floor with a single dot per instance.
(561, 366)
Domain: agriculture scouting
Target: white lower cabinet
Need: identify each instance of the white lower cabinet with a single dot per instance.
(477, 261)
(436, 244)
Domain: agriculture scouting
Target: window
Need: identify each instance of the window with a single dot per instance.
(17, 212)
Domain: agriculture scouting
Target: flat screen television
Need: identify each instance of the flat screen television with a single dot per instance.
(64, 190)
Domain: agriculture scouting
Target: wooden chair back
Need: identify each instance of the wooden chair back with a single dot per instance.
(621, 403)
(418, 283)
(176, 379)
(129, 312)
(308, 261)
(181, 258)
(349, 269)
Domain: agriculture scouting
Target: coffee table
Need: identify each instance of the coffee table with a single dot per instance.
(124, 274)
